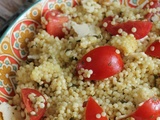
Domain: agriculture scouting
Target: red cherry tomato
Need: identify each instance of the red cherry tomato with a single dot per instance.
(149, 16)
(28, 104)
(50, 14)
(138, 28)
(55, 23)
(151, 4)
(103, 61)
(154, 49)
(75, 2)
(94, 111)
(149, 110)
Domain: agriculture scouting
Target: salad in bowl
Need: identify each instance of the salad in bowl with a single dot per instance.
(82, 60)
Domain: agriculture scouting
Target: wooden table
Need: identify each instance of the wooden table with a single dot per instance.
(8, 8)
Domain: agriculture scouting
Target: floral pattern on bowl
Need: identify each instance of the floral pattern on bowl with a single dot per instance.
(13, 44)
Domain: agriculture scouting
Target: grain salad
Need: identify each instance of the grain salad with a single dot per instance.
(51, 66)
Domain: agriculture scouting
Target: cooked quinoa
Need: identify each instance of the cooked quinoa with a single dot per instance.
(51, 65)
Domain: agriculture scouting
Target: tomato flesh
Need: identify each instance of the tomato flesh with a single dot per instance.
(105, 62)
(142, 27)
(55, 23)
(154, 49)
(92, 109)
(149, 110)
(28, 104)
(154, 4)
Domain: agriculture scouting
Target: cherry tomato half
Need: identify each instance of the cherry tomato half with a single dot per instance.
(94, 111)
(151, 4)
(154, 49)
(55, 19)
(149, 110)
(28, 104)
(103, 61)
(138, 28)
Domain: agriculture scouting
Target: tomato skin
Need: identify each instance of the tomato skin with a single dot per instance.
(156, 3)
(142, 27)
(28, 104)
(50, 14)
(75, 2)
(105, 62)
(149, 110)
(92, 109)
(149, 16)
(110, 28)
(55, 23)
(154, 49)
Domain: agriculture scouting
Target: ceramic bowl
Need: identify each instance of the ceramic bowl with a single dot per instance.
(13, 43)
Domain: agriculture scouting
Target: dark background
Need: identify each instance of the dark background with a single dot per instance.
(10, 10)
